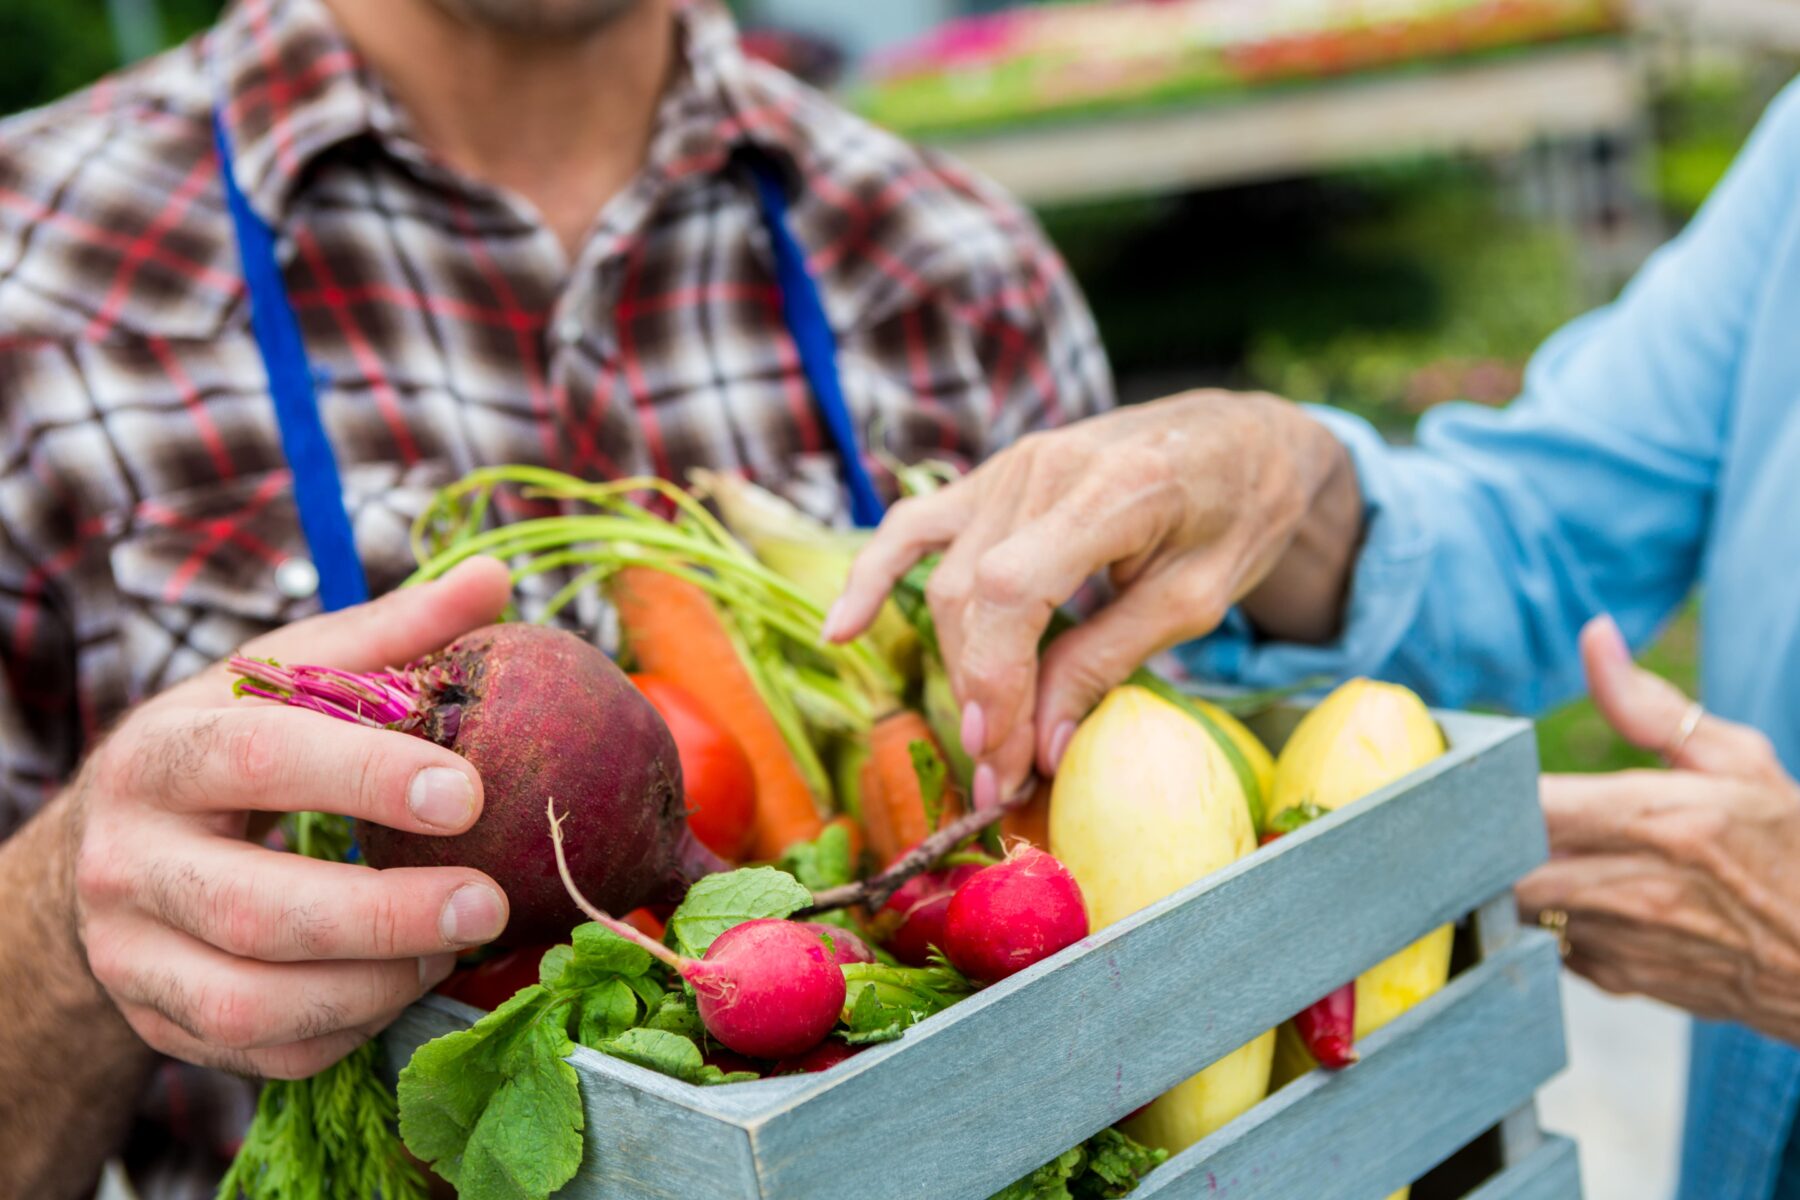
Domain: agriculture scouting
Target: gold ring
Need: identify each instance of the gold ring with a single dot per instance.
(1690, 721)
(1556, 921)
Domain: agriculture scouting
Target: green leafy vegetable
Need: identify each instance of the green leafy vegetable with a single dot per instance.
(677, 1014)
(718, 902)
(671, 1054)
(822, 863)
(1107, 1165)
(494, 1108)
(331, 1135)
(1115, 1164)
(882, 1002)
(929, 766)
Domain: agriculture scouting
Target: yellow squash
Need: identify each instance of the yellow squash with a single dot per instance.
(1262, 763)
(1363, 737)
(1145, 803)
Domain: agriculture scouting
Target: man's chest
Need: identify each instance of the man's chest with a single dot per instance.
(432, 357)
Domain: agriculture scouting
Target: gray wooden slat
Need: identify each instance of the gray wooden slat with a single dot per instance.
(648, 1137)
(1553, 1172)
(1048, 1057)
(1428, 1085)
(1043, 1060)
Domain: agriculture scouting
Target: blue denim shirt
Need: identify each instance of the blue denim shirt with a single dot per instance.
(1656, 448)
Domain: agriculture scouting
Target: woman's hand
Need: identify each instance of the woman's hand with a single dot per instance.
(1193, 504)
(1678, 884)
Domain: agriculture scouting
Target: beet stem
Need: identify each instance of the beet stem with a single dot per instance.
(631, 934)
(874, 891)
(380, 699)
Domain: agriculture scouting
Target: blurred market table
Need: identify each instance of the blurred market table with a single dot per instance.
(1483, 106)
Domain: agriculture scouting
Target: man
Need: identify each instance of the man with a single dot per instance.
(512, 231)
(1655, 450)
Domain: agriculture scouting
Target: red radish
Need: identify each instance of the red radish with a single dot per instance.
(540, 713)
(1013, 914)
(766, 989)
(844, 945)
(916, 911)
(822, 1057)
(1329, 1028)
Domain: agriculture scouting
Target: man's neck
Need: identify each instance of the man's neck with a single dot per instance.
(564, 122)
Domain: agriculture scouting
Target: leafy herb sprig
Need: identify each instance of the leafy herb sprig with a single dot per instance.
(331, 1135)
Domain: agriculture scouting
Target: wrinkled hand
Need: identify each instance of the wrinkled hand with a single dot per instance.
(228, 954)
(1678, 884)
(1188, 503)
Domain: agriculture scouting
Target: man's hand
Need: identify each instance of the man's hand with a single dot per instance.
(1678, 884)
(224, 953)
(1192, 504)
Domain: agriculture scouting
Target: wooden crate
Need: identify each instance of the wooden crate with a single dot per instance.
(977, 1096)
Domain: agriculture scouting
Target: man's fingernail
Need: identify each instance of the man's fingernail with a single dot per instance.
(474, 915)
(1059, 744)
(434, 969)
(442, 797)
(833, 628)
(974, 730)
(987, 788)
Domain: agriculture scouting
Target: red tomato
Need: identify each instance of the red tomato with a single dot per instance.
(497, 980)
(645, 922)
(721, 787)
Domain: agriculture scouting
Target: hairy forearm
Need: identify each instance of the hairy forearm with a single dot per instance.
(1302, 598)
(71, 1070)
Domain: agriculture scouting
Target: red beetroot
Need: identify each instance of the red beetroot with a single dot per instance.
(822, 1057)
(1013, 914)
(843, 945)
(916, 910)
(541, 714)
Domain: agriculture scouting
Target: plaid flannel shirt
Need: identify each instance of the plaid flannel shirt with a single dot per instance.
(144, 500)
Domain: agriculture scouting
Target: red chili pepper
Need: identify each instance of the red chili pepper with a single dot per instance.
(1328, 1028)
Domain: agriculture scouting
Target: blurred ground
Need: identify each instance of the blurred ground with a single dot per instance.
(1621, 1098)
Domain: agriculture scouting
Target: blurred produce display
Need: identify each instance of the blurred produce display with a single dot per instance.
(1061, 59)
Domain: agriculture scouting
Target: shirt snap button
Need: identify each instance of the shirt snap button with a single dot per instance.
(568, 331)
(297, 578)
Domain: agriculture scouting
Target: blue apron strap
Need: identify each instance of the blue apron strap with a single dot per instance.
(804, 312)
(318, 492)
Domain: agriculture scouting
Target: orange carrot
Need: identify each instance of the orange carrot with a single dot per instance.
(1031, 823)
(893, 807)
(674, 631)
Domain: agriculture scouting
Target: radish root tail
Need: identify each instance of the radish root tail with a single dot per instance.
(630, 933)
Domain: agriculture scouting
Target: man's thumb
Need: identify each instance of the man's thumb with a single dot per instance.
(396, 628)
